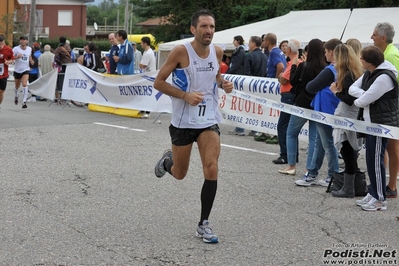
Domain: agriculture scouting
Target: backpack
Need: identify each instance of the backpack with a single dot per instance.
(337, 181)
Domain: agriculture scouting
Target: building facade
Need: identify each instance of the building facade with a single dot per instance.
(56, 18)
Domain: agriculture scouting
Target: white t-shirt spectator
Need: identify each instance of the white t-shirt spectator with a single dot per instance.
(148, 60)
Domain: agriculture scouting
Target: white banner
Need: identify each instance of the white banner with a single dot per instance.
(240, 110)
(254, 103)
(130, 91)
(45, 85)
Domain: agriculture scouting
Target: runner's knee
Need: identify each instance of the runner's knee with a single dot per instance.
(179, 174)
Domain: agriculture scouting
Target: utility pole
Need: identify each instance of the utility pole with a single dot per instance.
(131, 21)
(32, 15)
(126, 25)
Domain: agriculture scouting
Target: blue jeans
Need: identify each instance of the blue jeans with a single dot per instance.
(282, 125)
(294, 127)
(317, 158)
(326, 143)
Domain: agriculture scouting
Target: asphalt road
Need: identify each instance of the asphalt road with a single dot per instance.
(78, 188)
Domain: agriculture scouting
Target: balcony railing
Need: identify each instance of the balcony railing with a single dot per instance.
(102, 29)
(41, 32)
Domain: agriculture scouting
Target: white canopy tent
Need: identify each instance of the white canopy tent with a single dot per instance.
(304, 26)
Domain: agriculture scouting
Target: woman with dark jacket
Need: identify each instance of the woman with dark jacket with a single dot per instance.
(237, 67)
(377, 92)
(238, 57)
(301, 74)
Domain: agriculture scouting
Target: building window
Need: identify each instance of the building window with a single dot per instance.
(65, 17)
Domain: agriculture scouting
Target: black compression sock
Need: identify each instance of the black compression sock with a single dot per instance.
(208, 194)
(167, 165)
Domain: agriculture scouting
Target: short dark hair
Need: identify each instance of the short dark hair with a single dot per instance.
(256, 40)
(92, 47)
(122, 33)
(199, 13)
(62, 39)
(146, 40)
(373, 55)
(331, 44)
(239, 39)
(1, 38)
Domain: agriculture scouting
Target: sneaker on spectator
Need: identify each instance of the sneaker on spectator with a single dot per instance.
(307, 181)
(364, 200)
(159, 167)
(205, 232)
(375, 205)
(233, 132)
(324, 183)
(391, 193)
(280, 160)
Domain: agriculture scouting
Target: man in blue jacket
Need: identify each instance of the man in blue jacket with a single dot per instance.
(125, 57)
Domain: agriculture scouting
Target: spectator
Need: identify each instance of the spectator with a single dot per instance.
(92, 60)
(238, 57)
(147, 64)
(114, 51)
(125, 57)
(276, 65)
(34, 68)
(137, 58)
(62, 56)
(349, 69)
(301, 74)
(46, 63)
(326, 102)
(383, 38)
(237, 67)
(283, 47)
(377, 92)
(287, 98)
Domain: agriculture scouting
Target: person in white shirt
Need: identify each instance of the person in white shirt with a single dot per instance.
(23, 56)
(137, 58)
(147, 63)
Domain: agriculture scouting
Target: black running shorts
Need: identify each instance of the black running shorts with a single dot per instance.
(185, 136)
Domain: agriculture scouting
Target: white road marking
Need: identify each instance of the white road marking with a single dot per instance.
(246, 149)
(128, 128)
(224, 145)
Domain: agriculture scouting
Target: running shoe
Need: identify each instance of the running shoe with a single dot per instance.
(159, 167)
(375, 205)
(205, 232)
(364, 200)
(307, 182)
(324, 183)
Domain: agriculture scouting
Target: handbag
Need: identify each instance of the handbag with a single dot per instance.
(337, 181)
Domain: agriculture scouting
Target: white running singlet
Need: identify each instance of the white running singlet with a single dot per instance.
(199, 76)
(22, 64)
